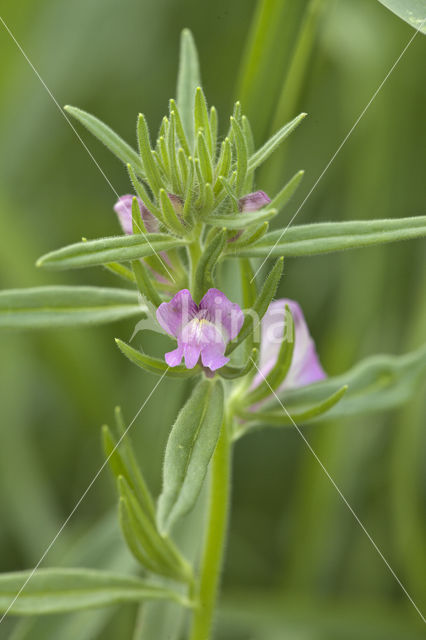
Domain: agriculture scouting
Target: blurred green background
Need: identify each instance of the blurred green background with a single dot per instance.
(298, 566)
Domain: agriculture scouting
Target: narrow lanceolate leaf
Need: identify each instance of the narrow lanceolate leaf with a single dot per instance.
(377, 383)
(242, 155)
(112, 249)
(279, 371)
(213, 128)
(273, 143)
(169, 215)
(249, 294)
(223, 164)
(190, 447)
(286, 193)
(142, 193)
(138, 483)
(263, 300)
(144, 283)
(155, 552)
(62, 590)
(286, 417)
(123, 463)
(110, 139)
(149, 165)
(155, 365)
(207, 265)
(204, 158)
(249, 237)
(201, 117)
(179, 127)
(412, 11)
(66, 306)
(242, 220)
(188, 81)
(326, 237)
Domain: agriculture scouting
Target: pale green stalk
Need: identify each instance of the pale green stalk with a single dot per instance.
(213, 552)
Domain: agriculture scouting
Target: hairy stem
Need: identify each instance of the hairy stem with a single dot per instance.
(194, 252)
(215, 537)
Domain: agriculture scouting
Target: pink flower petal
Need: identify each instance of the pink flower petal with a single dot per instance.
(212, 356)
(305, 367)
(174, 358)
(173, 316)
(192, 354)
(223, 313)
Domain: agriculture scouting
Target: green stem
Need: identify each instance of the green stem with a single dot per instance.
(215, 537)
(195, 252)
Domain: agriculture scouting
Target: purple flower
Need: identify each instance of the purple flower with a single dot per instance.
(201, 330)
(305, 367)
(253, 201)
(123, 209)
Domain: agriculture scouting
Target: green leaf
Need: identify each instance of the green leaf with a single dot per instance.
(229, 191)
(187, 82)
(171, 148)
(169, 214)
(133, 540)
(250, 236)
(62, 590)
(179, 127)
(201, 118)
(154, 365)
(242, 220)
(412, 11)
(279, 371)
(326, 237)
(142, 193)
(156, 553)
(110, 139)
(66, 306)
(123, 463)
(190, 447)
(223, 164)
(144, 283)
(150, 167)
(111, 249)
(375, 384)
(214, 124)
(263, 300)
(137, 483)
(286, 193)
(207, 265)
(204, 158)
(242, 155)
(273, 143)
(287, 417)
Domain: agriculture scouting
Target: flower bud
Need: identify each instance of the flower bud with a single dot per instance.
(253, 201)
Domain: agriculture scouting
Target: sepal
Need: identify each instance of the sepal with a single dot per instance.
(155, 365)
